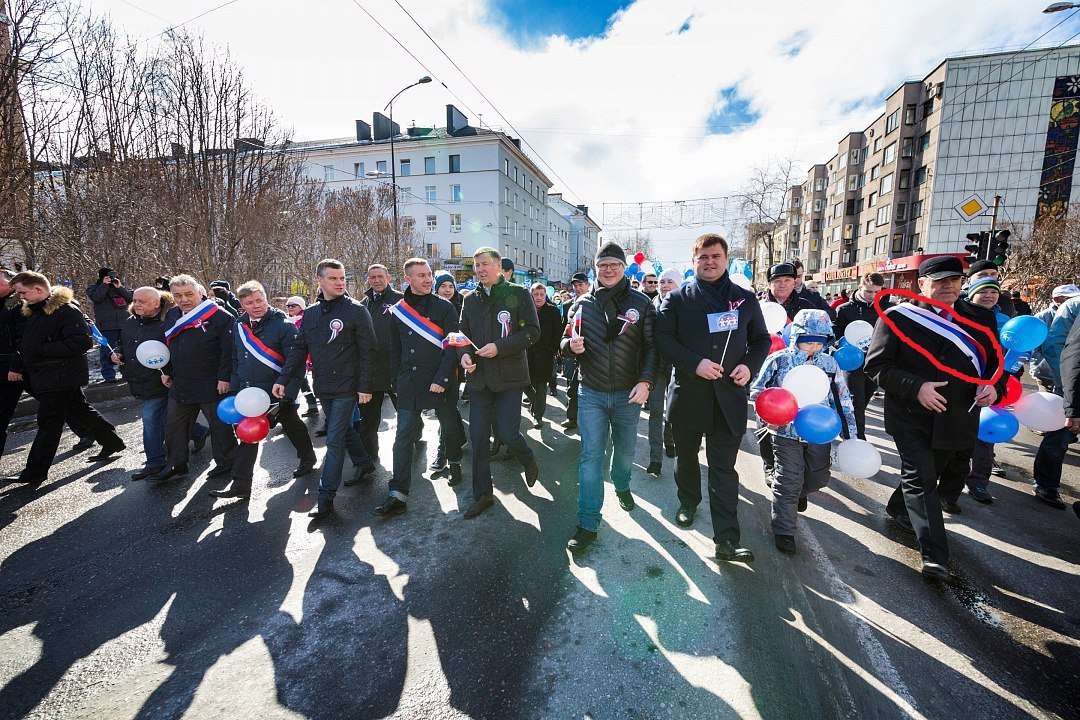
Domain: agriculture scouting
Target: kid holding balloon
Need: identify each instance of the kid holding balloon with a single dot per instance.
(804, 410)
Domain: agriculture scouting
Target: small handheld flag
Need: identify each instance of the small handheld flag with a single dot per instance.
(458, 340)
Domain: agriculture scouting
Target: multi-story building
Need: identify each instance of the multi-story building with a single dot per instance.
(584, 239)
(985, 125)
(459, 187)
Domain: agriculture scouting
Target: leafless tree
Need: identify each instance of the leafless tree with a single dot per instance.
(1044, 255)
(763, 203)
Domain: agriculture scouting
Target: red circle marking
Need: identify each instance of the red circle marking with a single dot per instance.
(926, 353)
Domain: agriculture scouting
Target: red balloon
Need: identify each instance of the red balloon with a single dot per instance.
(253, 429)
(777, 344)
(639, 257)
(776, 406)
(1013, 391)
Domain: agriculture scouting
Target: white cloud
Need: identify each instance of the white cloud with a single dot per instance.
(621, 118)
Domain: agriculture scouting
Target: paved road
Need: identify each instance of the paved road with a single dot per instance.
(120, 600)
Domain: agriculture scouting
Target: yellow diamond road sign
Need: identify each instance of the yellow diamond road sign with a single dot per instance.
(971, 208)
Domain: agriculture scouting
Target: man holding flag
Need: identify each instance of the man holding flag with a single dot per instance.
(261, 341)
(931, 413)
(421, 371)
(199, 337)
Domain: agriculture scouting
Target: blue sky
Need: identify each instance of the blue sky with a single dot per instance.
(529, 21)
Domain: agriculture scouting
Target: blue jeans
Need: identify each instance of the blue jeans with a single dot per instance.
(604, 417)
(108, 370)
(1050, 457)
(341, 437)
(153, 430)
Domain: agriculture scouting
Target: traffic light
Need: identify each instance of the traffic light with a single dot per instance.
(979, 247)
(999, 247)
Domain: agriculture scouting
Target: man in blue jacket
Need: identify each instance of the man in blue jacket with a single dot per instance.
(337, 333)
(1055, 444)
(260, 344)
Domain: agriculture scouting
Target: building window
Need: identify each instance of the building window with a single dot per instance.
(856, 157)
(927, 108)
(883, 215)
(380, 166)
(924, 142)
(901, 212)
(406, 168)
(849, 207)
(909, 114)
(921, 175)
(429, 193)
(841, 162)
(872, 201)
(433, 250)
(515, 174)
(455, 193)
(796, 202)
(838, 210)
(506, 225)
(905, 180)
(813, 244)
(506, 167)
(408, 223)
(853, 183)
(429, 166)
(859, 205)
(404, 193)
(816, 226)
(869, 227)
(907, 147)
(455, 163)
(819, 205)
(432, 222)
(893, 121)
(916, 209)
(886, 184)
(328, 173)
(358, 170)
(455, 222)
(877, 145)
(875, 172)
(890, 154)
(880, 246)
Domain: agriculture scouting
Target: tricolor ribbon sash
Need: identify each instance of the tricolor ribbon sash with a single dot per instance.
(193, 319)
(412, 319)
(951, 332)
(263, 353)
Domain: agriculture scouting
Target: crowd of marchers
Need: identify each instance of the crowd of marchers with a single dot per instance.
(692, 352)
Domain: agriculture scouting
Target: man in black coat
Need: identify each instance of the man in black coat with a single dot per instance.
(261, 340)
(52, 357)
(932, 416)
(541, 353)
(423, 369)
(813, 297)
(580, 283)
(860, 307)
(146, 323)
(713, 333)
(336, 333)
(379, 299)
(499, 319)
(11, 327)
(111, 299)
(199, 335)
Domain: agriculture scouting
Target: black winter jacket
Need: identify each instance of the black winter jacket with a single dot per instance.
(12, 322)
(201, 357)
(542, 353)
(277, 333)
(816, 300)
(110, 304)
(1070, 372)
(144, 382)
(55, 339)
(855, 309)
(506, 316)
(415, 362)
(378, 307)
(338, 336)
(794, 304)
(617, 324)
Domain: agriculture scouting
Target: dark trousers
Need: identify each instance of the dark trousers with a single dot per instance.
(862, 390)
(9, 400)
(573, 385)
(501, 410)
(410, 425)
(179, 423)
(53, 408)
(243, 467)
(370, 417)
(921, 468)
(537, 394)
(305, 390)
(1050, 457)
(981, 466)
(112, 337)
(721, 451)
(765, 449)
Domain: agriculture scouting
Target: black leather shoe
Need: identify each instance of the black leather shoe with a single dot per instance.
(582, 539)
(312, 411)
(685, 517)
(626, 500)
(169, 474)
(785, 544)
(979, 494)
(951, 506)
(496, 445)
(803, 504)
(108, 453)
(532, 472)
(439, 463)
(902, 522)
(197, 445)
(538, 423)
(391, 507)
(726, 550)
(321, 432)
(455, 474)
(324, 508)
(934, 571)
(219, 472)
(231, 492)
(23, 480)
(570, 424)
(1051, 497)
(654, 469)
(361, 475)
(146, 472)
(669, 449)
(306, 465)
(83, 445)
(481, 504)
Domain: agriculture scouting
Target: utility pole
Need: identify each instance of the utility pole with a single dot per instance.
(993, 226)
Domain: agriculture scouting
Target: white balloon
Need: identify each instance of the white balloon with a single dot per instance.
(775, 316)
(858, 458)
(742, 281)
(252, 402)
(809, 384)
(1041, 411)
(646, 268)
(858, 334)
(153, 354)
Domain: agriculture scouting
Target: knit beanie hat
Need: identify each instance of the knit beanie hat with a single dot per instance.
(442, 277)
(611, 250)
(982, 284)
(673, 275)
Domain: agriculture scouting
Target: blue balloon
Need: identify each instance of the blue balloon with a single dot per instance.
(639, 275)
(997, 426)
(786, 334)
(842, 342)
(1014, 360)
(658, 268)
(818, 424)
(1023, 333)
(849, 358)
(227, 412)
(1002, 318)
(631, 269)
(689, 273)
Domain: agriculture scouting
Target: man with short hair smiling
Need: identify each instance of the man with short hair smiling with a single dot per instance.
(649, 286)
(379, 300)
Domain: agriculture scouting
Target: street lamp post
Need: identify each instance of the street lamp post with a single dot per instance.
(393, 161)
(1060, 6)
